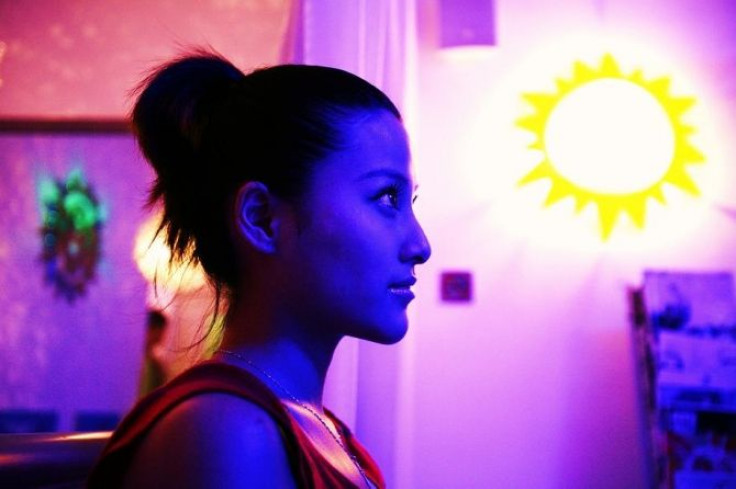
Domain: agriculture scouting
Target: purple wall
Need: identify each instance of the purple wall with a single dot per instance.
(55, 354)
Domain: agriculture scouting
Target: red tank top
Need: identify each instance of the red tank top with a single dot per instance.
(309, 468)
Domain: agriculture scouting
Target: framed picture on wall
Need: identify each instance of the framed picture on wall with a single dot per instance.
(73, 300)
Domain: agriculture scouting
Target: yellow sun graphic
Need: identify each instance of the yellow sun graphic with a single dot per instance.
(611, 139)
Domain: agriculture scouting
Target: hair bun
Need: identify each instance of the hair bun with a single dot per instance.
(170, 113)
(175, 105)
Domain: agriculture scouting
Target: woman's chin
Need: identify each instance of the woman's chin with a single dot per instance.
(388, 334)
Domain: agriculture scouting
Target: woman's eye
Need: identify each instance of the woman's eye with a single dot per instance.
(389, 198)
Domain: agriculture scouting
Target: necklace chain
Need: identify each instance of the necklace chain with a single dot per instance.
(303, 405)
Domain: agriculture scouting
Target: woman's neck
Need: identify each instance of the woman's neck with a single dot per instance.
(294, 365)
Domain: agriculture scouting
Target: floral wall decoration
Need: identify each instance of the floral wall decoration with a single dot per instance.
(72, 220)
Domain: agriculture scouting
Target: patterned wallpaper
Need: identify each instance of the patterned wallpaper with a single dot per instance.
(81, 57)
(56, 354)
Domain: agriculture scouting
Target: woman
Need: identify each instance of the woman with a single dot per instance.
(292, 187)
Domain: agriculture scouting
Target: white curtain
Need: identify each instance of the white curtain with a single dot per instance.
(371, 38)
(374, 39)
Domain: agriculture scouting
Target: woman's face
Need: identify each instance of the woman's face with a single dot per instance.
(355, 241)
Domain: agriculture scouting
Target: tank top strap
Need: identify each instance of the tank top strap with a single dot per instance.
(206, 377)
(203, 378)
(310, 469)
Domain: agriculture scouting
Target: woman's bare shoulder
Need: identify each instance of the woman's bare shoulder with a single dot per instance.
(212, 440)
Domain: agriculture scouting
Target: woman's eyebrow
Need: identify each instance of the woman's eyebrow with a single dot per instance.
(387, 173)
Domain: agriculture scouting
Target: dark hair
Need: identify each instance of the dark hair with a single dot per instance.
(206, 128)
(155, 319)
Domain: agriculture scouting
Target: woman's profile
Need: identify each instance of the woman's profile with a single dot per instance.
(292, 187)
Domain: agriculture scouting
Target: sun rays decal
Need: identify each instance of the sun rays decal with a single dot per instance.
(612, 140)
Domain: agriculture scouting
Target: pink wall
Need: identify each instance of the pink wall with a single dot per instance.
(533, 384)
(82, 58)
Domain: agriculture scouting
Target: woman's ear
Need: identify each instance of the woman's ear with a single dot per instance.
(256, 217)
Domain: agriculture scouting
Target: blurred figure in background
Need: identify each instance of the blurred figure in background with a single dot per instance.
(153, 373)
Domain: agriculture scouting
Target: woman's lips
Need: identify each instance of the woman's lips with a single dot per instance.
(402, 289)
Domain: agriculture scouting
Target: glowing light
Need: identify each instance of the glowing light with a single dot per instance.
(611, 140)
(92, 435)
(153, 257)
(2, 54)
(593, 138)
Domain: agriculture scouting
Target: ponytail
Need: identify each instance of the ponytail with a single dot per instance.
(171, 117)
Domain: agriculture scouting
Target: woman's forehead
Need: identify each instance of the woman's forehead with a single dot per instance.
(375, 146)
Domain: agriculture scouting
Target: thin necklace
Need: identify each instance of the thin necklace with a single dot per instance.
(303, 405)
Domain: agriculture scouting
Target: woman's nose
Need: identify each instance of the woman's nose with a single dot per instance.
(416, 249)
